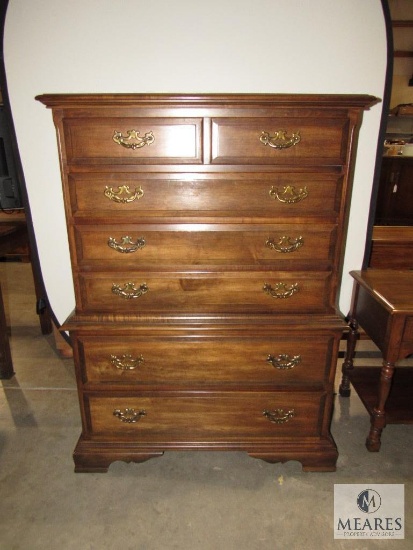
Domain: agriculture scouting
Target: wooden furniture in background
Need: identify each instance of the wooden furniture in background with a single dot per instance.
(402, 24)
(383, 306)
(14, 243)
(395, 197)
(206, 236)
(6, 362)
(392, 247)
(12, 236)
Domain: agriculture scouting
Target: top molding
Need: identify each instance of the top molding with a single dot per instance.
(217, 100)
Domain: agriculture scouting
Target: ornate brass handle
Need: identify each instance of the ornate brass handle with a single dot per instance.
(129, 416)
(285, 244)
(126, 246)
(129, 290)
(126, 361)
(280, 140)
(133, 139)
(284, 361)
(280, 290)
(278, 416)
(288, 195)
(123, 194)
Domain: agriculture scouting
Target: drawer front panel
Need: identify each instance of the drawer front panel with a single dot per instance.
(133, 140)
(230, 292)
(272, 195)
(277, 141)
(208, 244)
(221, 417)
(237, 361)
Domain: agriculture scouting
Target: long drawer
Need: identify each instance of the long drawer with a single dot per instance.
(321, 141)
(225, 417)
(129, 246)
(236, 361)
(131, 140)
(124, 196)
(225, 292)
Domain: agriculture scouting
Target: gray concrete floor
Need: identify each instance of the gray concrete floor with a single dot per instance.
(180, 501)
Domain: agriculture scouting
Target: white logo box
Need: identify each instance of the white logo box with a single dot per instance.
(368, 511)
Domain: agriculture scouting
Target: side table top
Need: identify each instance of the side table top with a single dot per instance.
(392, 287)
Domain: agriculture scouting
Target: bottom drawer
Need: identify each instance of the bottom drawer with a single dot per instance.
(218, 417)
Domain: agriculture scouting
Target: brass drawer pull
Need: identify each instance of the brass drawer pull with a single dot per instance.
(278, 416)
(133, 139)
(129, 290)
(123, 194)
(126, 361)
(288, 195)
(285, 244)
(280, 290)
(280, 140)
(129, 416)
(284, 361)
(126, 246)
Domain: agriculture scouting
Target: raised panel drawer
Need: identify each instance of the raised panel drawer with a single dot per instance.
(226, 292)
(123, 196)
(131, 246)
(279, 361)
(321, 141)
(133, 140)
(226, 417)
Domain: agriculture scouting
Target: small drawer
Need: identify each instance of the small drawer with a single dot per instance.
(321, 141)
(309, 246)
(123, 196)
(220, 417)
(232, 361)
(133, 140)
(225, 292)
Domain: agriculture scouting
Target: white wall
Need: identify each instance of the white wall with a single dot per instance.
(292, 46)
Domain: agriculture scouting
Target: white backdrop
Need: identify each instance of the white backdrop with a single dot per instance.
(265, 46)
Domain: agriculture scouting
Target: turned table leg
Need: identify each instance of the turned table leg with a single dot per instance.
(348, 365)
(378, 418)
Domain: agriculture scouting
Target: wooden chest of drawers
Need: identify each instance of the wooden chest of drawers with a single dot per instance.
(206, 235)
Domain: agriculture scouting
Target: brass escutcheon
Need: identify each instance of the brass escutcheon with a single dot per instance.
(123, 194)
(129, 416)
(126, 361)
(288, 195)
(280, 140)
(284, 361)
(285, 244)
(280, 290)
(278, 416)
(133, 139)
(126, 246)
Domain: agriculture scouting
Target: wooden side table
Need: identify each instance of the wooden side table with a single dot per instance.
(12, 236)
(382, 305)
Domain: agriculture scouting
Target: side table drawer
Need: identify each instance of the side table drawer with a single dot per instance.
(226, 417)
